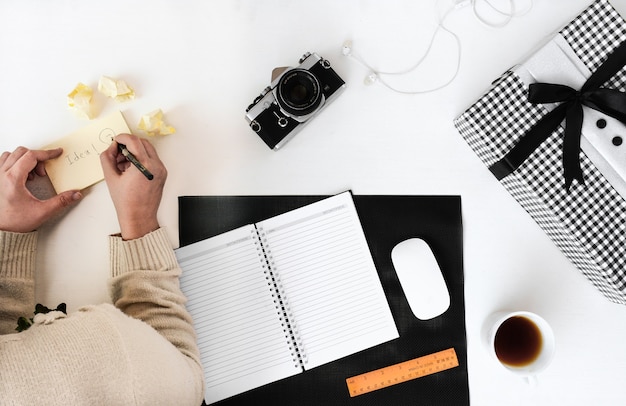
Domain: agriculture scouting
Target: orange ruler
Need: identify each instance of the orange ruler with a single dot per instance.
(402, 372)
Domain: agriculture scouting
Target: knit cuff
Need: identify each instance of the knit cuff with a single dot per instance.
(17, 254)
(151, 252)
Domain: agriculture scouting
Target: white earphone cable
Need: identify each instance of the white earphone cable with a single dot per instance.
(508, 16)
(377, 76)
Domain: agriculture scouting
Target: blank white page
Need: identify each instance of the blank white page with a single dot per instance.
(241, 340)
(329, 280)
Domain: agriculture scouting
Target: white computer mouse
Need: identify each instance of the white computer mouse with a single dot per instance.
(421, 278)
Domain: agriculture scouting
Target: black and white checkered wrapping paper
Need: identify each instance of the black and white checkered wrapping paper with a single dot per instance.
(588, 224)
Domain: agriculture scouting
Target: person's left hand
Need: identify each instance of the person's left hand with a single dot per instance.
(20, 211)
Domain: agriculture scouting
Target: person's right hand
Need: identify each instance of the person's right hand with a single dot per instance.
(136, 199)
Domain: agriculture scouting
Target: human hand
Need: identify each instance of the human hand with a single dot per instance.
(20, 211)
(136, 199)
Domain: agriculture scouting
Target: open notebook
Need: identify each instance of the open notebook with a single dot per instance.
(272, 299)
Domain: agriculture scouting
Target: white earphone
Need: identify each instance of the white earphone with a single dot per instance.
(378, 76)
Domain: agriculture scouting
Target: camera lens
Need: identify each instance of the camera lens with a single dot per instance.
(299, 92)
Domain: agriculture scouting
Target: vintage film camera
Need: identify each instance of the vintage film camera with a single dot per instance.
(294, 96)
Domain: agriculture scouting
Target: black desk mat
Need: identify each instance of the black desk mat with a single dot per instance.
(387, 220)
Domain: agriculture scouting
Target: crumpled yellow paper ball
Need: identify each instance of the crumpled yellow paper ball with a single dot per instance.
(153, 124)
(79, 100)
(116, 89)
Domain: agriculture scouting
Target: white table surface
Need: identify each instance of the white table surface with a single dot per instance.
(203, 62)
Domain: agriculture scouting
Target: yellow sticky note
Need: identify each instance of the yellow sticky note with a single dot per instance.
(79, 100)
(153, 124)
(116, 89)
(79, 165)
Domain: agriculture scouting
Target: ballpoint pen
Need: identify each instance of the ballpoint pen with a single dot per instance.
(131, 158)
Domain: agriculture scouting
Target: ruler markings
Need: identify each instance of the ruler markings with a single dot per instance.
(402, 372)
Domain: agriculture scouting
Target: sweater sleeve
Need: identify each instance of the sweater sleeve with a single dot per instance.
(144, 285)
(17, 283)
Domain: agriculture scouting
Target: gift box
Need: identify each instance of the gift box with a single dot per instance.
(551, 130)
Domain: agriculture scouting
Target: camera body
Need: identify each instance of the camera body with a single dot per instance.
(295, 95)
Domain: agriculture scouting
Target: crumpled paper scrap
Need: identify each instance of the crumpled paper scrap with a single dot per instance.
(116, 89)
(79, 100)
(153, 124)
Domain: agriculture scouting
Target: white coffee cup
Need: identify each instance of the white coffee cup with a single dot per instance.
(521, 341)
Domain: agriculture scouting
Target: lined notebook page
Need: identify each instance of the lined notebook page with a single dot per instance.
(241, 340)
(329, 280)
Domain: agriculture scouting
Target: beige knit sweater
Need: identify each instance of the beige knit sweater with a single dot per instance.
(140, 351)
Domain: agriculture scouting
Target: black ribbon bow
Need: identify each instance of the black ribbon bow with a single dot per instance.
(608, 101)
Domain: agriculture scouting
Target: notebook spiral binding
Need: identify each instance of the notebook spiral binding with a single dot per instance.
(282, 305)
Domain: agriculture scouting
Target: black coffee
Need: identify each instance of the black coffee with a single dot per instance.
(518, 341)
